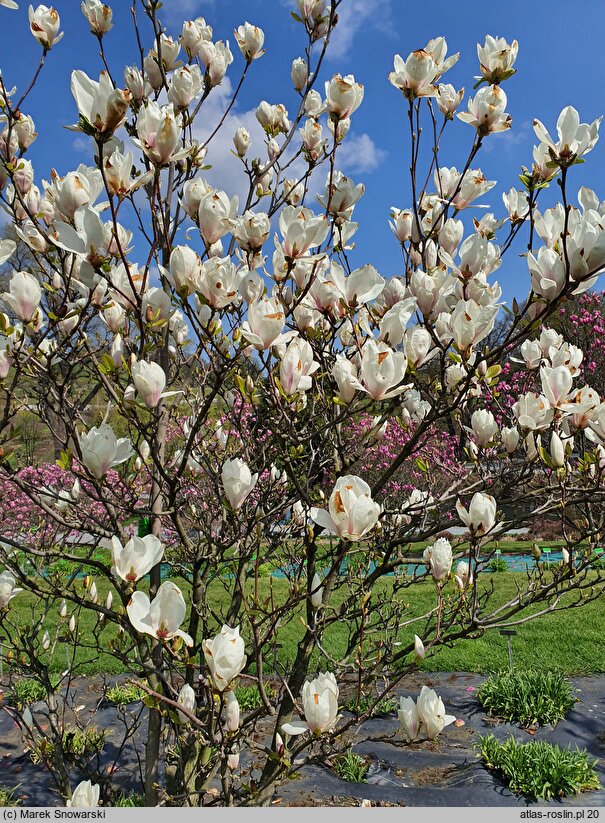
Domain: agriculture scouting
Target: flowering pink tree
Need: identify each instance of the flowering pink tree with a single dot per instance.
(228, 391)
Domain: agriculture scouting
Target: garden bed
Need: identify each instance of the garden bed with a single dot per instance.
(446, 772)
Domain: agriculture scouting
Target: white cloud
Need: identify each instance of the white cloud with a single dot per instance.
(359, 153)
(82, 144)
(178, 10)
(517, 135)
(355, 16)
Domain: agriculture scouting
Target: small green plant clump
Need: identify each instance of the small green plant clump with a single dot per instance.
(384, 706)
(122, 695)
(351, 767)
(76, 743)
(129, 801)
(539, 770)
(498, 564)
(527, 697)
(27, 691)
(249, 697)
(8, 798)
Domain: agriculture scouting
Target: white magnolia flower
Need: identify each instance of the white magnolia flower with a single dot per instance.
(483, 427)
(381, 371)
(250, 41)
(480, 517)
(431, 712)
(100, 105)
(24, 295)
(159, 133)
(98, 15)
(44, 23)
(7, 589)
(301, 230)
(186, 85)
(136, 558)
(343, 96)
(101, 450)
(486, 111)
(150, 382)
(238, 481)
(162, 616)
(407, 714)
(351, 511)
(320, 706)
(85, 795)
(533, 411)
(497, 58)
(265, 323)
(225, 656)
(575, 138)
(296, 367)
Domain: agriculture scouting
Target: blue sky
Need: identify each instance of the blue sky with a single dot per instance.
(559, 63)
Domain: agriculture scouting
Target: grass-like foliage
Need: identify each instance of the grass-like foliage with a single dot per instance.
(8, 797)
(539, 770)
(123, 695)
(351, 767)
(129, 801)
(27, 691)
(249, 697)
(527, 697)
(384, 706)
(76, 744)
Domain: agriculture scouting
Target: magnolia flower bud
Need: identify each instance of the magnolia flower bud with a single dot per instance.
(134, 82)
(63, 609)
(238, 481)
(46, 641)
(557, 451)
(241, 141)
(150, 382)
(232, 712)
(109, 600)
(439, 559)
(186, 699)
(317, 592)
(407, 715)
(225, 657)
(418, 647)
(72, 624)
(300, 73)
(233, 760)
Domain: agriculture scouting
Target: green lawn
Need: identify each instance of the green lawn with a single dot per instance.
(570, 641)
